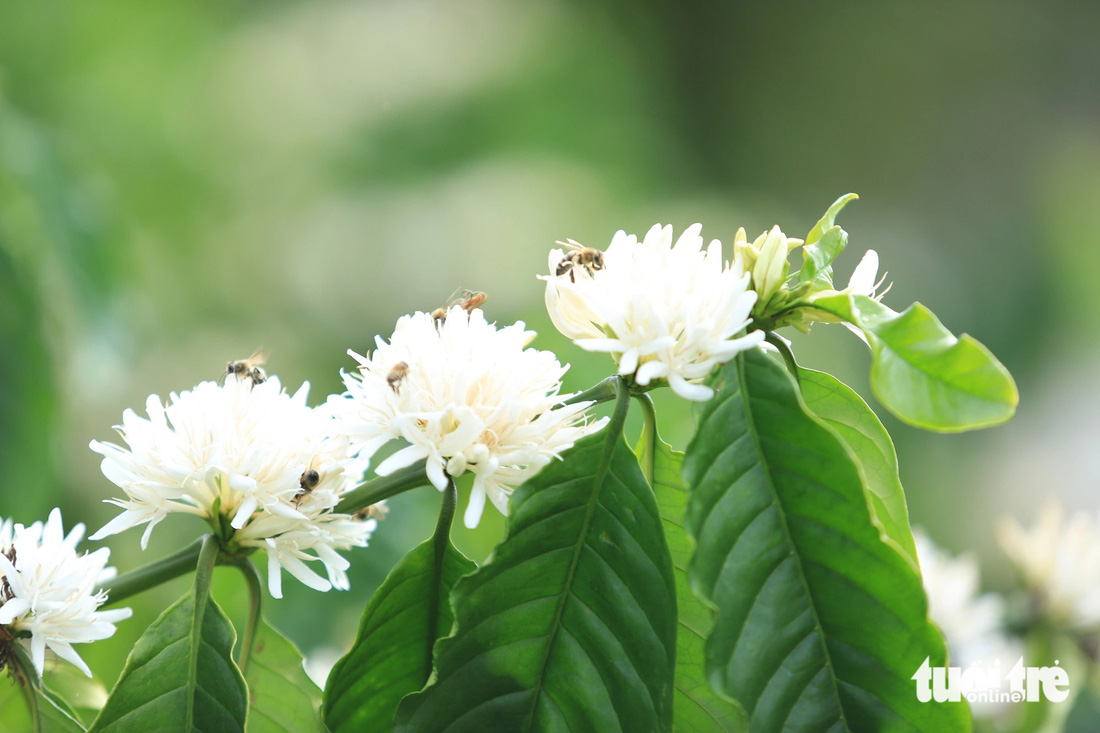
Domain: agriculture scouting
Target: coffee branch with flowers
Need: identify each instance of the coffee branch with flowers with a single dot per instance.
(767, 574)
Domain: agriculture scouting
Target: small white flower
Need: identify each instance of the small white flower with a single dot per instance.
(663, 311)
(246, 452)
(471, 397)
(1060, 562)
(48, 596)
(972, 624)
(865, 279)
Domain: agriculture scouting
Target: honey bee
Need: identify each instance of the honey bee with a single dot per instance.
(6, 593)
(374, 511)
(309, 480)
(248, 368)
(468, 299)
(7, 639)
(580, 256)
(397, 375)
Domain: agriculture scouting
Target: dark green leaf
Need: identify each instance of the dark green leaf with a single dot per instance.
(922, 373)
(181, 674)
(392, 655)
(282, 697)
(857, 425)
(821, 624)
(696, 707)
(571, 625)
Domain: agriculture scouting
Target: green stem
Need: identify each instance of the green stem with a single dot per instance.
(383, 487)
(649, 435)
(622, 406)
(440, 542)
(153, 574)
(255, 597)
(784, 351)
(607, 389)
(602, 391)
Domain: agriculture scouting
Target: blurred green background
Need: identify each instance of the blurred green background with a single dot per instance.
(180, 183)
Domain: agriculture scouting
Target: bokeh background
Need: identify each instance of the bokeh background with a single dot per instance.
(182, 182)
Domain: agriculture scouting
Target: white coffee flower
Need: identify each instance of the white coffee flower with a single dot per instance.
(48, 597)
(255, 454)
(465, 395)
(1060, 562)
(663, 311)
(972, 624)
(865, 279)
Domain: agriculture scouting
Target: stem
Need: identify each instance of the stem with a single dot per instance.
(622, 406)
(383, 487)
(255, 597)
(784, 351)
(153, 574)
(204, 568)
(649, 435)
(602, 391)
(440, 541)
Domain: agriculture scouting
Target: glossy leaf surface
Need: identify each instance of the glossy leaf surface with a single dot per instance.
(571, 624)
(821, 624)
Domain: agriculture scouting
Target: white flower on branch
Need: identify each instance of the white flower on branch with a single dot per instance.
(1060, 563)
(865, 279)
(465, 395)
(260, 457)
(663, 311)
(48, 597)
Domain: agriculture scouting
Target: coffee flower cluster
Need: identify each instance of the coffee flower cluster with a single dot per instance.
(465, 396)
(48, 593)
(662, 310)
(1059, 561)
(253, 454)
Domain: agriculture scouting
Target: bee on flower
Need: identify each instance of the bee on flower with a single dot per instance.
(662, 310)
(247, 451)
(471, 397)
(48, 593)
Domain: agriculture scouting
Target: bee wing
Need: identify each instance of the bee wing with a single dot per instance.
(572, 244)
(459, 296)
(259, 356)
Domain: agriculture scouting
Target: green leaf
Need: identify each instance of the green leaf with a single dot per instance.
(80, 696)
(857, 425)
(282, 697)
(696, 707)
(922, 373)
(48, 716)
(824, 242)
(181, 674)
(571, 625)
(828, 221)
(821, 624)
(392, 655)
